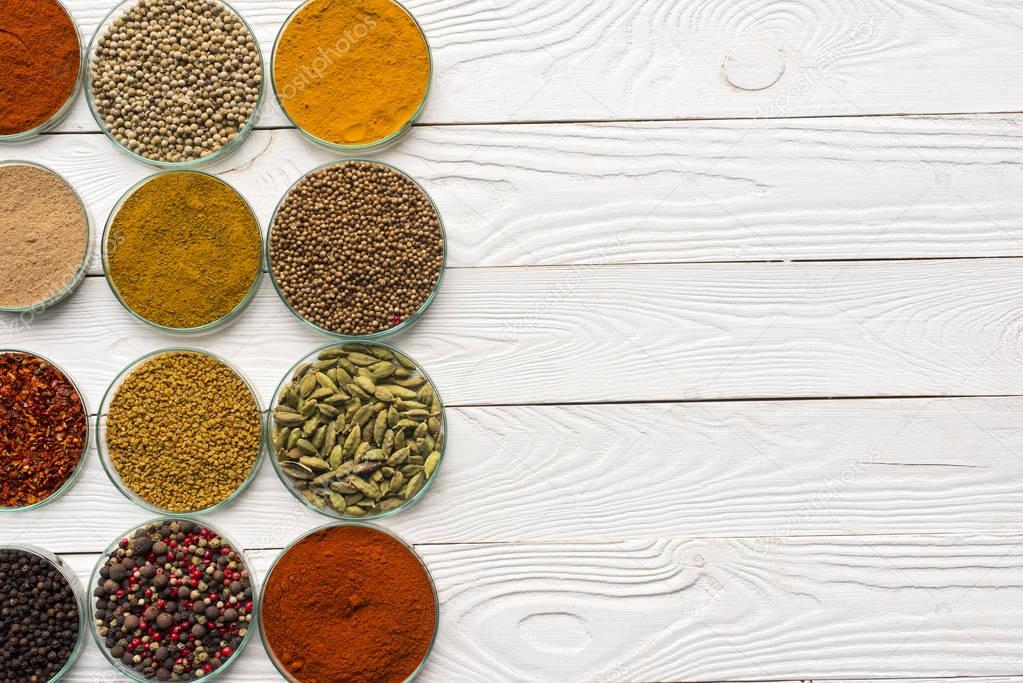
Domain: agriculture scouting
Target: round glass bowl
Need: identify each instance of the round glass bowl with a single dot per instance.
(404, 324)
(340, 636)
(217, 154)
(76, 587)
(104, 450)
(107, 249)
(350, 39)
(73, 477)
(131, 673)
(61, 113)
(300, 490)
(82, 268)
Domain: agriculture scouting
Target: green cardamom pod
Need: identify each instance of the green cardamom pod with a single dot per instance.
(306, 386)
(355, 511)
(412, 488)
(314, 499)
(430, 466)
(315, 464)
(307, 447)
(337, 501)
(288, 418)
(391, 504)
(336, 457)
(398, 458)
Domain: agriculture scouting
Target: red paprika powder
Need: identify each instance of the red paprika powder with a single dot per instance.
(349, 604)
(40, 59)
(43, 429)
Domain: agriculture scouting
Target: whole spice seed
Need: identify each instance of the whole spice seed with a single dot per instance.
(183, 251)
(39, 618)
(183, 431)
(173, 601)
(44, 236)
(43, 429)
(359, 431)
(351, 72)
(40, 60)
(176, 80)
(349, 603)
(356, 248)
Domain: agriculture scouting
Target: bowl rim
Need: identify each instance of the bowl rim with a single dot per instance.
(83, 265)
(340, 524)
(86, 445)
(225, 319)
(84, 610)
(246, 563)
(353, 149)
(111, 470)
(328, 511)
(58, 116)
(379, 334)
(218, 154)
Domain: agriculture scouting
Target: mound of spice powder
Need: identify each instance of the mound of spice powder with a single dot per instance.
(351, 72)
(173, 601)
(356, 248)
(43, 429)
(349, 603)
(44, 236)
(40, 59)
(183, 250)
(183, 431)
(39, 618)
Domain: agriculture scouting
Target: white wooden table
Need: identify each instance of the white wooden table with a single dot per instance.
(730, 339)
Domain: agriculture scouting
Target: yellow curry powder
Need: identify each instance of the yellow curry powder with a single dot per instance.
(184, 250)
(351, 72)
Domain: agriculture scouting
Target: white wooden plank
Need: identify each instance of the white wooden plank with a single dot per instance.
(531, 60)
(629, 333)
(657, 192)
(571, 473)
(711, 610)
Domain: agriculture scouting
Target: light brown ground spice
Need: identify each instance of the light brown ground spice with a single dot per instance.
(183, 431)
(44, 235)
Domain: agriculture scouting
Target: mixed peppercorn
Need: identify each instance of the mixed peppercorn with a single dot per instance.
(173, 601)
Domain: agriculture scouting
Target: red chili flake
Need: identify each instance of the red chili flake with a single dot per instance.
(42, 429)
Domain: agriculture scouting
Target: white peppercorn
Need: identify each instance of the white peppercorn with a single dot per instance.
(176, 80)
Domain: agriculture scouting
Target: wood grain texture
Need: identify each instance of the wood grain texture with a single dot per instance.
(532, 60)
(668, 332)
(712, 610)
(768, 470)
(869, 188)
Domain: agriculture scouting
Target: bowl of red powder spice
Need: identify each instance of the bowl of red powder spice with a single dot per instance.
(44, 431)
(349, 602)
(40, 67)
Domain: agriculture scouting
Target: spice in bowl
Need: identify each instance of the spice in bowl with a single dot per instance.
(174, 601)
(352, 74)
(43, 430)
(349, 603)
(183, 431)
(358, 430)
(44, 236)
(356, 248)
(174, 81)
(40, 64)
(40, 617)
(183, 251)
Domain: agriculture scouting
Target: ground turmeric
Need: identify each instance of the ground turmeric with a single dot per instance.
(183, 251)
(351, 72)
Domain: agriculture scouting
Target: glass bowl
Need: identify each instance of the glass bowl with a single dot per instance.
(216, 155)
(83, 266)
(80, 599)
(60, 114)
(66, 486)
(404, 324)
(328, 510)
(436, 599)
(183, 331)
(94, 581)
(104, 453)
(371, 147)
